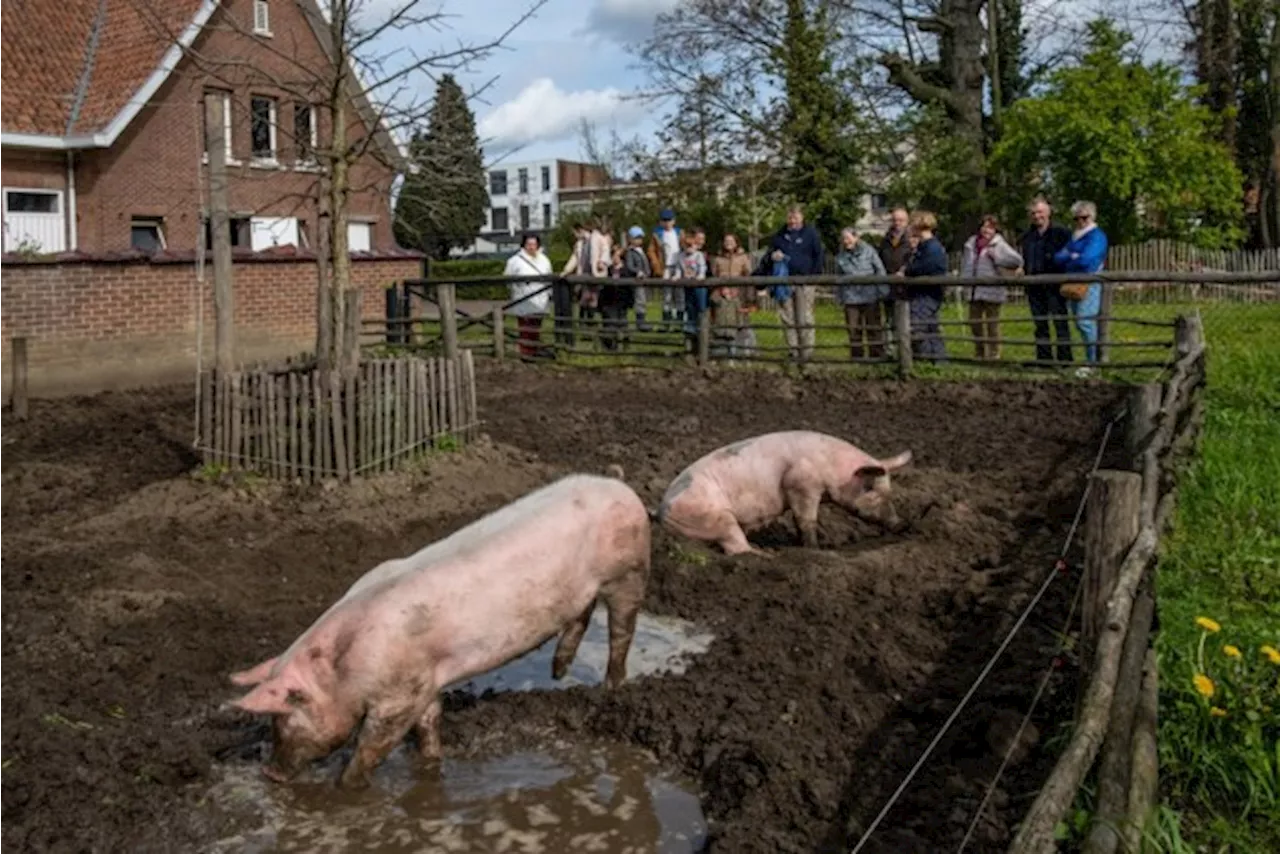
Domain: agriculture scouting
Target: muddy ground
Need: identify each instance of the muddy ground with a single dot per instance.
(131, 588)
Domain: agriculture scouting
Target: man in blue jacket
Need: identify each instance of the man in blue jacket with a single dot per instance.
(796, 250)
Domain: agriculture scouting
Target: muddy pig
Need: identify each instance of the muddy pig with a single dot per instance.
(486, 594)
(750, 483)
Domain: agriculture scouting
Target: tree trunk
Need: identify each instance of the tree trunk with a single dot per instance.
(220, 227)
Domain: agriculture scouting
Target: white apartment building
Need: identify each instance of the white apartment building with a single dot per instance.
(526, 197)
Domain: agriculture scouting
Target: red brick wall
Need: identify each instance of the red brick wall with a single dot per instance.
(97, 324)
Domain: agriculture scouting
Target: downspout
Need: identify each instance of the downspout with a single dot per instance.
(72, 243)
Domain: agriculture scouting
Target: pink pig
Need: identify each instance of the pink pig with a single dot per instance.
(750, 483)
(486, 594)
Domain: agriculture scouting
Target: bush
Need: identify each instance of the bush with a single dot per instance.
(462, 268)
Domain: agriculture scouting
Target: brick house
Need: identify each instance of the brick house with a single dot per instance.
(102, 126)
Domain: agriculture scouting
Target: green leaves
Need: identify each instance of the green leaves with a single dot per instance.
(1130, 137)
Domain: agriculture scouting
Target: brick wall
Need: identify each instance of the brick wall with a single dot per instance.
(99, 323)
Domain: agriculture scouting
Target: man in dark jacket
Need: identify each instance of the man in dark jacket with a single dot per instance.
(895, 249)
(1038, 245)
(797, 249)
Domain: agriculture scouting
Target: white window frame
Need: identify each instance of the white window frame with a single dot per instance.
(61, 213)
(262, 18)
(310, 164)
(226, 130)
(142, 222)
(274, 227)
(366, 224)
(273, 123)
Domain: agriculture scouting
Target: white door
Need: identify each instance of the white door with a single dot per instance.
(34, 220)
(360, 236)
(265, 232)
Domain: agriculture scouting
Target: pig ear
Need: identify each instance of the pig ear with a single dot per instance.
(256, 674)
(895, 463)
(272, 697)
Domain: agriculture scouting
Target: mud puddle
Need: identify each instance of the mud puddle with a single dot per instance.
(558, 797)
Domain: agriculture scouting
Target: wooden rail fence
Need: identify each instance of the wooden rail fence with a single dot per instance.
(284, 422)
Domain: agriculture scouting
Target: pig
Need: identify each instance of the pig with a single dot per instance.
(488, 593)
(750, 483)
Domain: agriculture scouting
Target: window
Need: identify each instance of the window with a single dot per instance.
(546, 179)
(523, 178)
(498, 216)
(546, 216)
(240, 230)
(261, 18)
(304, 134)
(262, 128)
(879, 201)
(524, 217)
(359, 237)
(33, 221)
(146, 233)
(226, 126)
(498, 183)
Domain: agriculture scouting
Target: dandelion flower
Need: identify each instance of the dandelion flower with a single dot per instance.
(1210, 626)
(1272, 654)
(1204, 685)
(1216, 712)
(1231, 651)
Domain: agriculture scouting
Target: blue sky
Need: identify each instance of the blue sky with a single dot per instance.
(566, 64)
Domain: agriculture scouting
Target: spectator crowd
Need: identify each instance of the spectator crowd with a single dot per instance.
(909, 251)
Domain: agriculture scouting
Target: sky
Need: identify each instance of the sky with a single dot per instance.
(567, 63)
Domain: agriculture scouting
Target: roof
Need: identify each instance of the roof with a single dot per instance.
(76, 72)
(74, 67)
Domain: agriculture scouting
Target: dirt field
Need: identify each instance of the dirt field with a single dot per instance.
(131, 588)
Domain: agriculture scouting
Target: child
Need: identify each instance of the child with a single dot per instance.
(692, 265)
(726, 313)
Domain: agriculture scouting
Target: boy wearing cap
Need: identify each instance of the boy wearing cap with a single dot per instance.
(664, 256)
(616, 299)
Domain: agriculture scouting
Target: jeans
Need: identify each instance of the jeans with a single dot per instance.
(1085, 312)
(926, 335)
(984, 320)
(863, 321)
(1047, 305)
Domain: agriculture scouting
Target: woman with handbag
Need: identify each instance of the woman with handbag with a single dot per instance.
(1086, 253)
(988, 254)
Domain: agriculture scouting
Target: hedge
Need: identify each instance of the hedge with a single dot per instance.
(466, 267)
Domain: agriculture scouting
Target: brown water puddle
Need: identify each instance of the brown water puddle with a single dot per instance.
(558, 797)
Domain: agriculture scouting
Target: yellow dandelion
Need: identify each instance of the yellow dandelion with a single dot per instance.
(1231, 651)
(1210, 626)
(1272, 654)
(1204, 685)
(1216, 712)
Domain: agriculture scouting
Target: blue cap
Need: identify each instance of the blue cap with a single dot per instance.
(635, 231)
(667, 213)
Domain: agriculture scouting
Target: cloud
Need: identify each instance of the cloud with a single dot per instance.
(542, 112)
(625, 21)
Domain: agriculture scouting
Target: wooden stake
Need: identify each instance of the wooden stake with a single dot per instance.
(18, 384)
(291, 425)
(237, 413)
(704, 336)
(351, 417)
(1111, 523)
(206, 417)
(305, 386)
(902, 331)
(1143, 405)
(473, 419)
(1145, 759)
(499, 337)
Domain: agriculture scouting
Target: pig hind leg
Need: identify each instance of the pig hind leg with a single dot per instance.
(567, 648)
(428, 730)
(623, 599)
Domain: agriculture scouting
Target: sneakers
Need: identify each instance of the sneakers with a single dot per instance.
(1085, 373)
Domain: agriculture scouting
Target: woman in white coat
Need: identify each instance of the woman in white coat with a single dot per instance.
(988, 254)
(530, 298)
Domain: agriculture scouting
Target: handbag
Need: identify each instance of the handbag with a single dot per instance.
(1009, 272)
(1074, 292)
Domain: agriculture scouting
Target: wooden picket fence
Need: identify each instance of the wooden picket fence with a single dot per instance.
(283, 422)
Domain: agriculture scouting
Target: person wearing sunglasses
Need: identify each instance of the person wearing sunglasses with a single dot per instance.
(1085, 253)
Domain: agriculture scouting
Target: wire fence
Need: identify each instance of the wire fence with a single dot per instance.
(1126, 325)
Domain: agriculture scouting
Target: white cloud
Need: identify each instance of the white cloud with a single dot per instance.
(625, 21)
(543, 112)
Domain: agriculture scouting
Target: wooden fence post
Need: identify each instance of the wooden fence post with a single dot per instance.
(1143, 405)
(1145, 761)
(1111, 524)
(499, 334)
(445, 294)
(704, 338)
(902, 331)
(18, 386)
(1105, 301)
(1188, 333)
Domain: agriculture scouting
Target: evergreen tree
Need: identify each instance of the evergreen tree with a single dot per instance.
(442, 202)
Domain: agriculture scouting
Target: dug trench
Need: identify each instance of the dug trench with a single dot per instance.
(134, 583)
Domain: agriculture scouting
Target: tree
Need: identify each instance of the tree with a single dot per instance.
(442, 202)
(1130, 137)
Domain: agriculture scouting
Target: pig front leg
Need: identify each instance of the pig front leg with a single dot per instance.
(567, 648)
(623, 602)
(427, 730)
(385, 726)
(803, 490)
